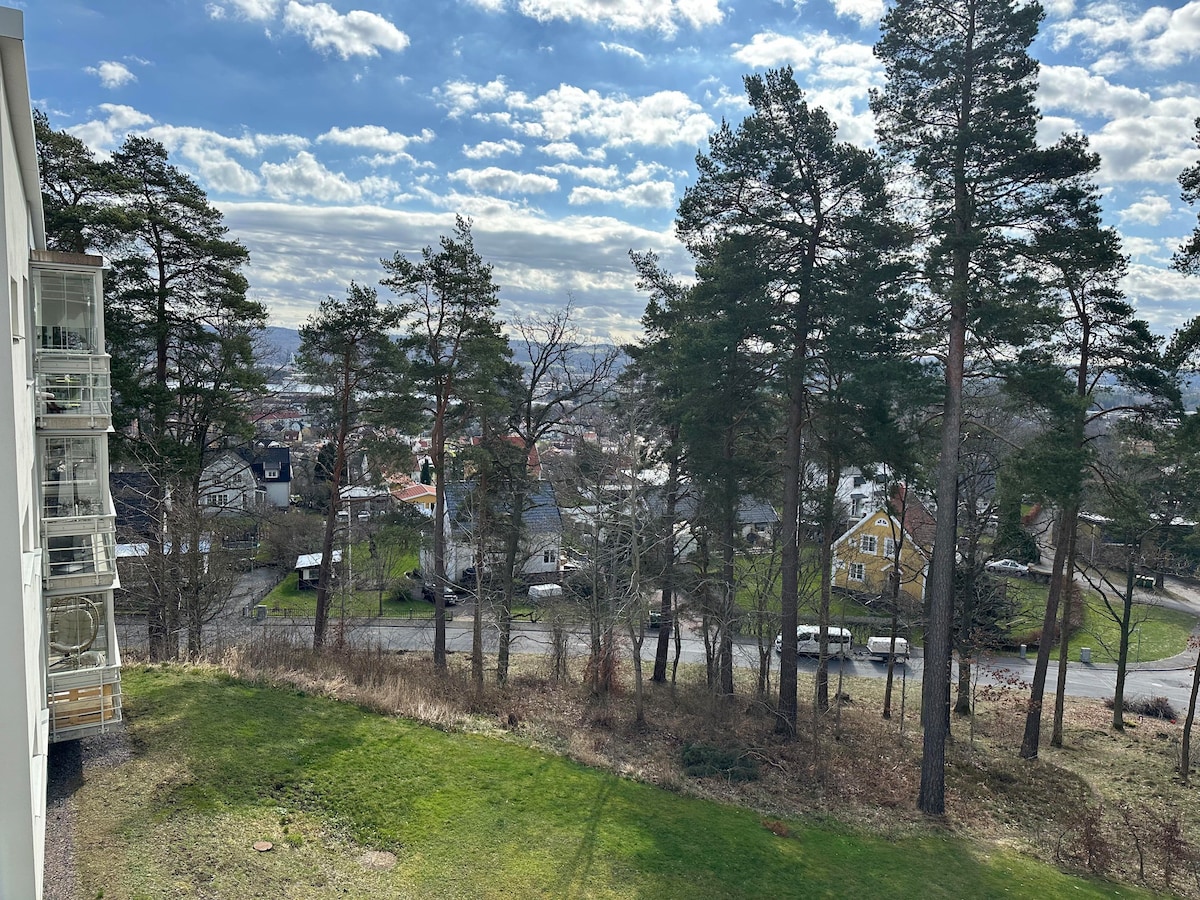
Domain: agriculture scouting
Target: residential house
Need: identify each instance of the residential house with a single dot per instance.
(228, 487)
(864, 556)
(421, 496)
(541, 538)
(59, 659)
(272, 468)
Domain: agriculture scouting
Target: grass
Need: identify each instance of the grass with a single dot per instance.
(1162, 632)
(221, 763)
(396, 603)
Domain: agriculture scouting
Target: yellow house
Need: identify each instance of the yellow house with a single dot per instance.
(864, 557)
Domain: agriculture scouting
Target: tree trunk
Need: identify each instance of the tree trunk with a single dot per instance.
(1033, 712)
(789, 550)
(1185, 764)
(508, 579)
(668, 579)
(821, 680)
(935, 686)
(1123, 653)
(1066, 531)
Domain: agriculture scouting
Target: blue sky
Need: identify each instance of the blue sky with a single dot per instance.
(333, 133)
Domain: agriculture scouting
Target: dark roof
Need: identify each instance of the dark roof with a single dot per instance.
(750, 511)
(278, 458)
(541, 508)
(132, 494)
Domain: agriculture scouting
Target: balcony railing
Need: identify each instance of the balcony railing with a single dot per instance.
(73, 392)
(81, 560)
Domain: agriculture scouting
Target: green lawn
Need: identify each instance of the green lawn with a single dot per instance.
(220, 764)
(287, 598)
(1162, 632)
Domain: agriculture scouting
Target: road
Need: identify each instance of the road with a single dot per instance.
(1166, 678)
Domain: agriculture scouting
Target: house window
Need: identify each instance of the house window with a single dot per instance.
(218, 499)
(858, 572)
(271, 473)
(889, 548)
(868, 543)
(548, 556)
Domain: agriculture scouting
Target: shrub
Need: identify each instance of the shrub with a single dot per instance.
(704, 760)
(1153, 707)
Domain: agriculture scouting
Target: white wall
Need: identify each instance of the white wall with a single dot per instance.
(23, 722)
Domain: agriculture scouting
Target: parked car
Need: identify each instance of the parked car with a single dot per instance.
(428, 593)
(1007, 567)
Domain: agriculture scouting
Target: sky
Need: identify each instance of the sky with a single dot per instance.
(331, 134)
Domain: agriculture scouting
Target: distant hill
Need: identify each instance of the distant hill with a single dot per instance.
(281, 343)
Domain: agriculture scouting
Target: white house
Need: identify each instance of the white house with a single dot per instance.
(541, 538)
(59, 660)
(228, 487)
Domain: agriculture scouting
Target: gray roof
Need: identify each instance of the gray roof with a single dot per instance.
(541, 508)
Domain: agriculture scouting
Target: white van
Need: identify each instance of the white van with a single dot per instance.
(808, 641)
(881, 648)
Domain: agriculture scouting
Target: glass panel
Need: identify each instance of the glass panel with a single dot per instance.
(74, 394)
(77, 633)
(65, 305)
(71, 484)
(80, 554)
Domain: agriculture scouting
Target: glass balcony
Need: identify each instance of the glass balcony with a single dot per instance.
(82, 560)
(68, 312)
(72, 483)
(73, 392)
(83, 665)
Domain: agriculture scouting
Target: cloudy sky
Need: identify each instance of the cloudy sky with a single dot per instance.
(334, 133)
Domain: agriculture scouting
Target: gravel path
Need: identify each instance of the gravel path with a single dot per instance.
(68, 768)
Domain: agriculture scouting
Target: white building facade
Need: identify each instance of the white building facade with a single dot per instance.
(59, 659)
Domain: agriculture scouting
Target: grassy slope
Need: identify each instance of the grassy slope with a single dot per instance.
(221, 764)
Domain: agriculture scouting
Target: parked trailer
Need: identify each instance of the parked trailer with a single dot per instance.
(545, 591)
(880, 647)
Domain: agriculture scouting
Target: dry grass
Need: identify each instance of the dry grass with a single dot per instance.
(1109, 803)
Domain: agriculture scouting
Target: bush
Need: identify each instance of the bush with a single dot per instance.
(1153, 707)
(704, 760)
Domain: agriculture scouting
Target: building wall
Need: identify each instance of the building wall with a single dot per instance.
(23, 716)
(849, 550)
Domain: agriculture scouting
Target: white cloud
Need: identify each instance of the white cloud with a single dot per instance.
(253, 10)
(623, 50)
(635, 15)
(492, 149)
(645, 171)
(503, 181)
(208, 153)
(662, 119)
(1157, 39)
(461, 97)
(391, 144)
(357, 33)
(303, 176)
(643, 194)
(301, 253)
(594, 174)
(1151, 209)
(769, 49)
(111, 74)
(104, 135)
(1153, 145)
(493, 6)
(1076, 90)
(867, 12)
(570, 150)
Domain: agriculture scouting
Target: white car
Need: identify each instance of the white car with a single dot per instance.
(1007, 567)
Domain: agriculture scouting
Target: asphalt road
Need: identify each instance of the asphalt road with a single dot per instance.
(1167, 678)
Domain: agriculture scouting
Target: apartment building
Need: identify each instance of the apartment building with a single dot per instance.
(59, 659)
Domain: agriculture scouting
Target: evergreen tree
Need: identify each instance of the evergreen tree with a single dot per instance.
(453, 335)
(958, 109)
